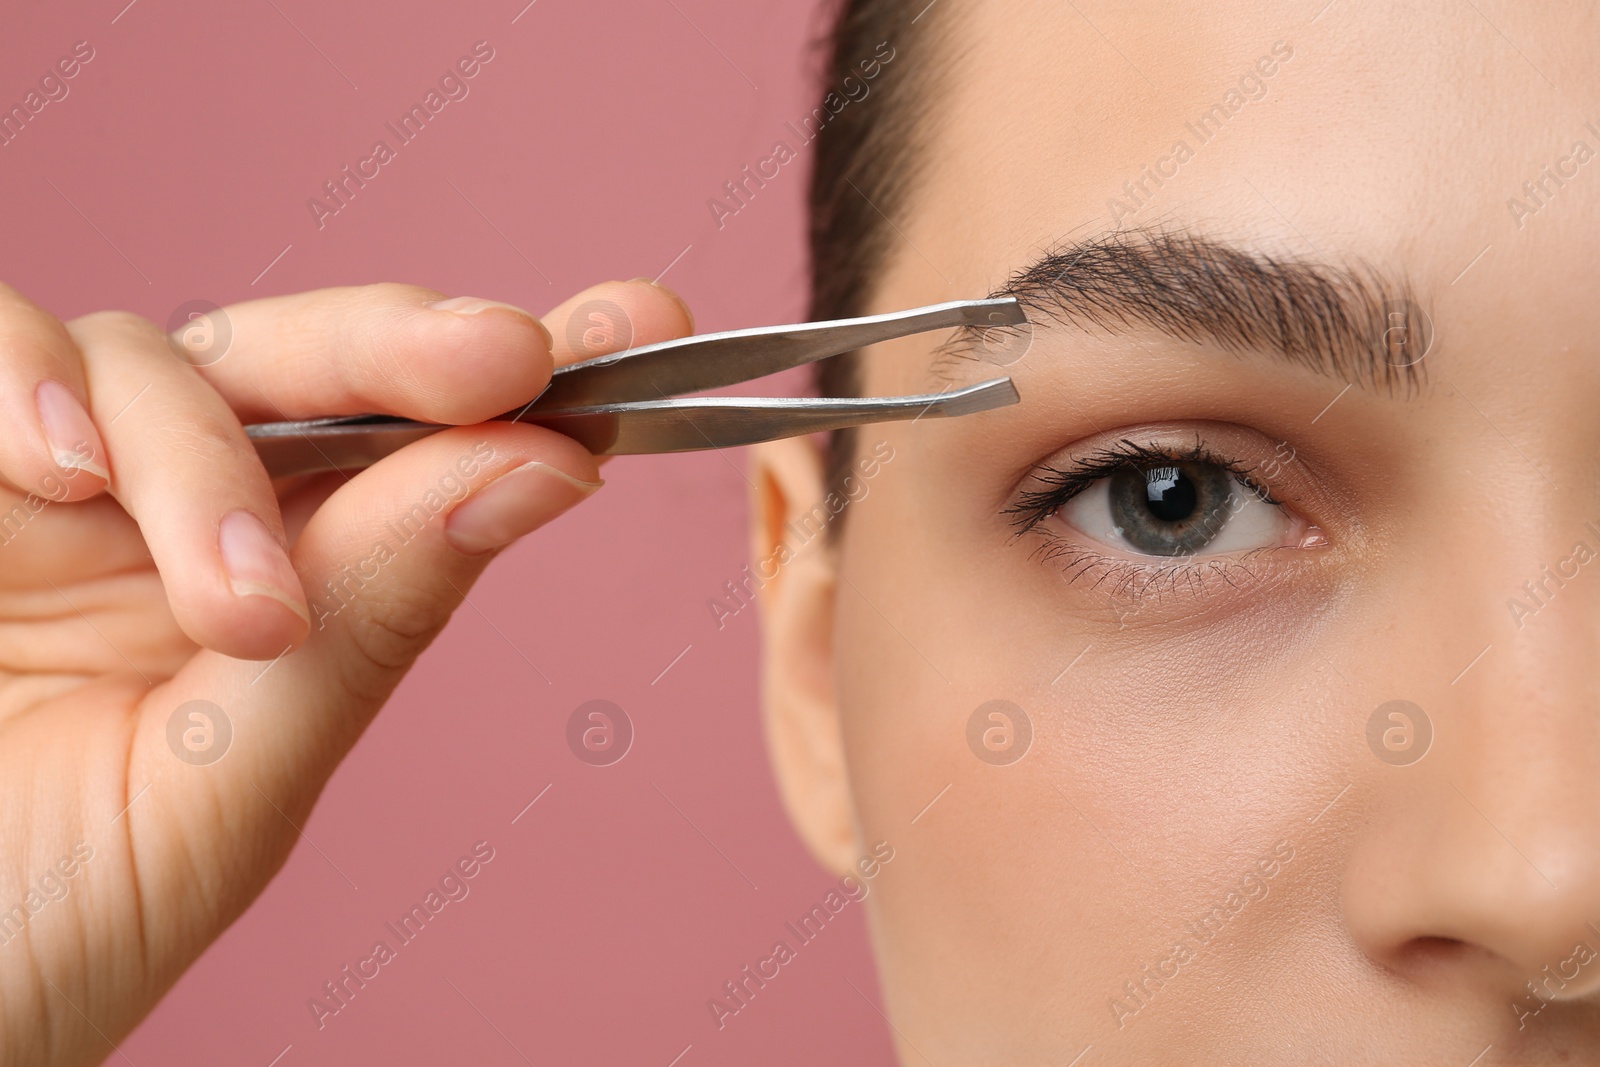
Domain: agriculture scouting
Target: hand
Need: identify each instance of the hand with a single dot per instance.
(163, 603)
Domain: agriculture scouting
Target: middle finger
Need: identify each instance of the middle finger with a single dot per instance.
(182, 467)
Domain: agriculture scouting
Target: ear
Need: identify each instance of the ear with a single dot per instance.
(795, 560)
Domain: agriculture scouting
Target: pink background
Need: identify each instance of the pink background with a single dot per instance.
(178, 168)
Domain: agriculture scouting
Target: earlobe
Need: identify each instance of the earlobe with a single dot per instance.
(796, 603)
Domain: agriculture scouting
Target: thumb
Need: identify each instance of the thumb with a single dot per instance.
(389, 556)
(384, 562)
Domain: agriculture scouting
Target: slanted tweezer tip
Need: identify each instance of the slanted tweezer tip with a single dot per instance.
(1004, 311)
(984, 396)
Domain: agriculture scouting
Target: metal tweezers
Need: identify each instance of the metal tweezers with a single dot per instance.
(621, 404)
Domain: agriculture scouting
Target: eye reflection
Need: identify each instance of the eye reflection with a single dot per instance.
(1177, 508)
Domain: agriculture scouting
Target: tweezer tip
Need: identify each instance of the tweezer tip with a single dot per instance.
(1004, 311)
(994, 393)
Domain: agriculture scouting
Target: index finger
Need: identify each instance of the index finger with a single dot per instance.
(614, 316)
(384, 349)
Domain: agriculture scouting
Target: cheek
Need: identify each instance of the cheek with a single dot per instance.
(992, 865)
(1052, 877)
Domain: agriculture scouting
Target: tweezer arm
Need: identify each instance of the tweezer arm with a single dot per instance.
(346, 444)
(713, 360)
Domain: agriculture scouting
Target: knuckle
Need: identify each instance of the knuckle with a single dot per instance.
(399, 294)
(32, 336)
(115, 324)
(25, 347)
(213, 438)
(360, 309)
(365, 336)
(17, 312)
(387, 632)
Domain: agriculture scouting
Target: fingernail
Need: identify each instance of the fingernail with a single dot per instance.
(256, 563)
(676, 299)
(471, 305)
(69, 431)
(518, 502)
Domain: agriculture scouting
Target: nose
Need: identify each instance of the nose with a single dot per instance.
(1481, 861)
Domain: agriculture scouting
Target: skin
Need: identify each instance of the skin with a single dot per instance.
(116, 610)
(1179, 736)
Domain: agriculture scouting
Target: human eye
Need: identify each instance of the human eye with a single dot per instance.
(1145, 504)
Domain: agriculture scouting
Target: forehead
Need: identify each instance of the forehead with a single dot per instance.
(1401, 137)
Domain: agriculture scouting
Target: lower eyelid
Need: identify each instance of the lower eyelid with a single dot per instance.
(1123, 579)
(1128, 579)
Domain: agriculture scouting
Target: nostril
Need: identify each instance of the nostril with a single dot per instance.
(1565, 976)
(1428, 953)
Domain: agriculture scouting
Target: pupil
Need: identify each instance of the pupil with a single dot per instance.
(1170, 495)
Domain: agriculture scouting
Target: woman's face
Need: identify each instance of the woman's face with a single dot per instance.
(1202, 569)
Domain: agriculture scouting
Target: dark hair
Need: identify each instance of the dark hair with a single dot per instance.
(863, 170)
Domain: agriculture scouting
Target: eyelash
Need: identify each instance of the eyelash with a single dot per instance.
(1058, 485)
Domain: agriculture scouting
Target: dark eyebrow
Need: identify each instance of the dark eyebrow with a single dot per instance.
(1347, 322)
